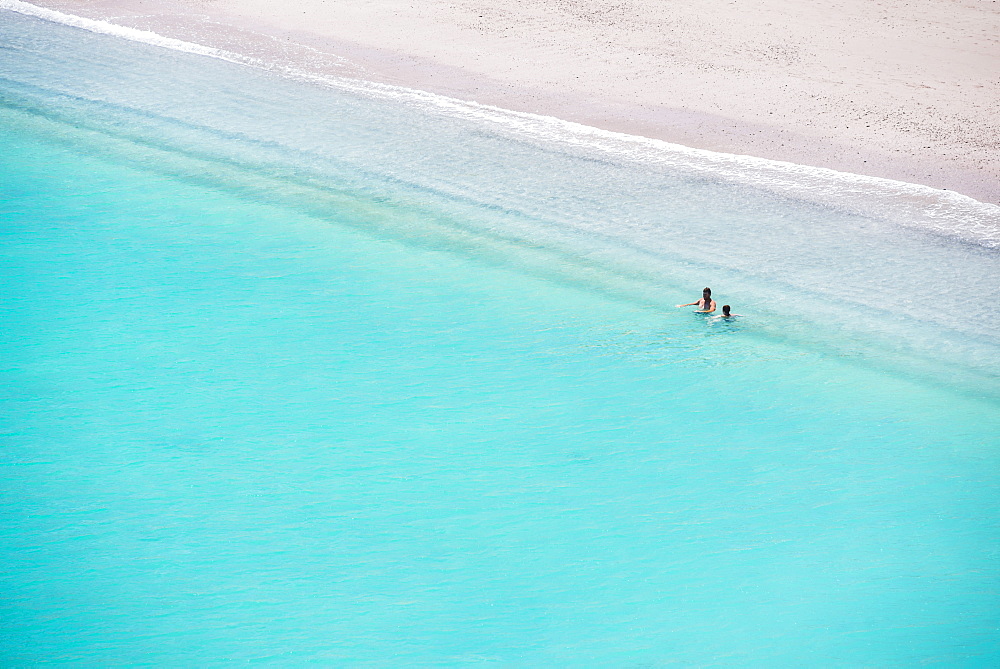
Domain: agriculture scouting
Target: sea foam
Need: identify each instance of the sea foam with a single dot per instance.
(939, 212)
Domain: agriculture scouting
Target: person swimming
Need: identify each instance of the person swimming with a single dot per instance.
(726, 312)
(706, 304)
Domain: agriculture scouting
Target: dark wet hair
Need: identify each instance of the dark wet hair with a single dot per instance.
(725, 309)
(707, 290)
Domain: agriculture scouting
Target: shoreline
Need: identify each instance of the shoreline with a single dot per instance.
(962, 149)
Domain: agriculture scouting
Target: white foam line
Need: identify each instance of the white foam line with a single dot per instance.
(132, 34)
(914, 205)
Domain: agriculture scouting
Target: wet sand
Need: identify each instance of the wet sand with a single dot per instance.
(903, 90)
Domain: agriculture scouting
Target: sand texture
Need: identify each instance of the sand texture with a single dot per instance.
(897, 89)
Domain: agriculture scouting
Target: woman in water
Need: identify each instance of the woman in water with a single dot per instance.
(706, 304)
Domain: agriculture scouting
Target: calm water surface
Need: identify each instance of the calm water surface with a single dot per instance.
(428, 402)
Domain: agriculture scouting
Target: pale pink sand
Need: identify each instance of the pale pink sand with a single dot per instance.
(907, 90)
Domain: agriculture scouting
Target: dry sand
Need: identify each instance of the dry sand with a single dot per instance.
(907, 90)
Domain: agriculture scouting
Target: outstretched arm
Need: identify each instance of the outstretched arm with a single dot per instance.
(687, 305)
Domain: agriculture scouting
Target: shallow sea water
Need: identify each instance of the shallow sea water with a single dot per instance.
(374, 403)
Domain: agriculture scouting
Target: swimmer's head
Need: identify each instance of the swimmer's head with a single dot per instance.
(707, 292)
(725, 309)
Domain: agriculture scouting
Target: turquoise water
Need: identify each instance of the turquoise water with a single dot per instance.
(417, 393)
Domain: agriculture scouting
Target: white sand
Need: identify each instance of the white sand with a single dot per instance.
(902, 89)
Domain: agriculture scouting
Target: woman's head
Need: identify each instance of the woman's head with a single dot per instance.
(725, 309)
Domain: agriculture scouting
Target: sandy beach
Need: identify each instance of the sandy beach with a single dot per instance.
(903, 90)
